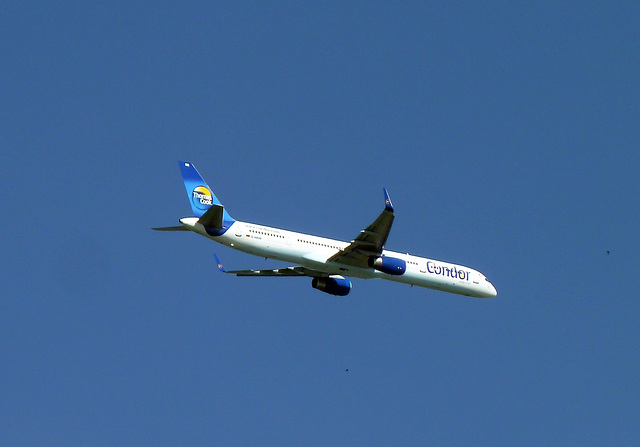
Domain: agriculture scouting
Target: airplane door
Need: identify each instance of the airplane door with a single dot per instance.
(423, 267)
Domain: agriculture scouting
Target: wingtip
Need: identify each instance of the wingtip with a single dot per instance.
(387, 200)
(219, 264)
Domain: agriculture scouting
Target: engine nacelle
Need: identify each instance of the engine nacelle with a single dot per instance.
(391, 266)
(334, 285)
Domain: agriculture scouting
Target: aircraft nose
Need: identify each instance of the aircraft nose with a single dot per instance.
(492, 290)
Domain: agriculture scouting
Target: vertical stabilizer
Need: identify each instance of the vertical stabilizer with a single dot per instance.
(201, 197)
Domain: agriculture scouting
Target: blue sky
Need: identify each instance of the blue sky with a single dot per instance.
(507, 134)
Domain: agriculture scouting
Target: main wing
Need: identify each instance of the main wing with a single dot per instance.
(370, 242)
(286, 271)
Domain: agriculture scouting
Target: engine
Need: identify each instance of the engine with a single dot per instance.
(334, 285)
(386, 264)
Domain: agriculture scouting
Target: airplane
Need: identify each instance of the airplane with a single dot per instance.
(327, 261)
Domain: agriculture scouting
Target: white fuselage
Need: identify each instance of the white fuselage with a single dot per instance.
(313, 252)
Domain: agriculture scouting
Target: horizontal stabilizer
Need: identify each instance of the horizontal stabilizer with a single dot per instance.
(176, 228)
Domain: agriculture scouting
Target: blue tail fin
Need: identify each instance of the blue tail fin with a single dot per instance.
(200, 195)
